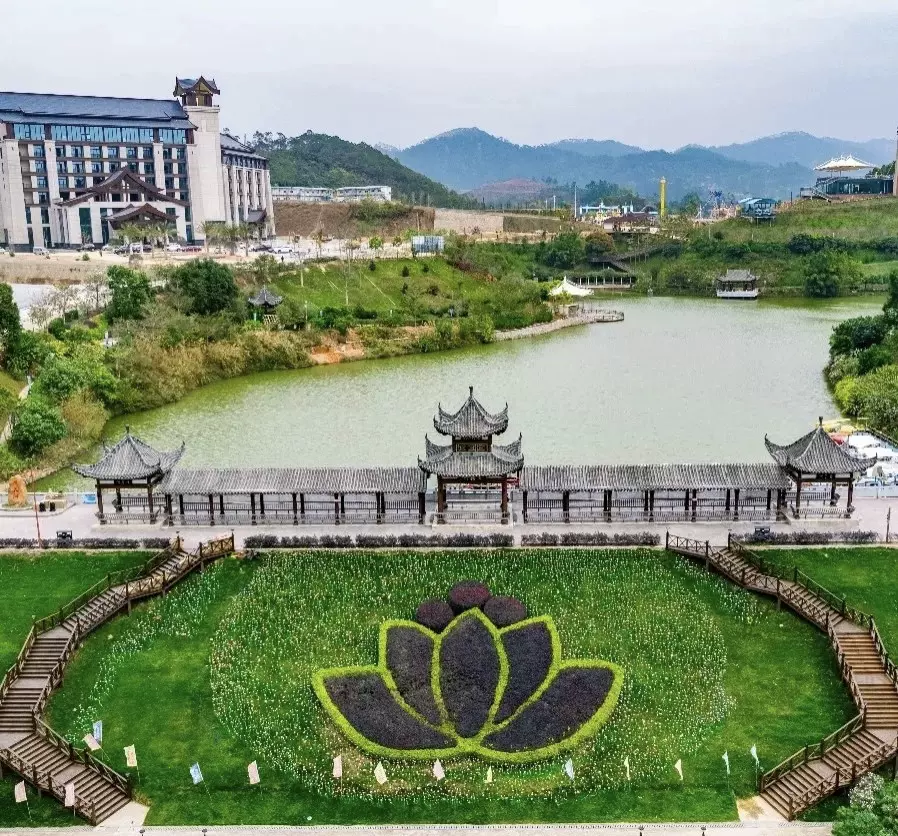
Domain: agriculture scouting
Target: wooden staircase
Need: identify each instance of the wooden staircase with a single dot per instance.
(28, 746)
(865, 742)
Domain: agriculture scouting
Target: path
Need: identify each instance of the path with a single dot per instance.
(558, 324)
(4, 433)
(864, 743)
(28, 746)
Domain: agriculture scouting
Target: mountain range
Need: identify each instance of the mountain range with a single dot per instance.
(468, 159)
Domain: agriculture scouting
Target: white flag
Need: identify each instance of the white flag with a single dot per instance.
(438, 772)
(130, 756)
(253, 771)
(20, 792)
(489, 776)
(754, 754)
(679, 767)
(196, 774)
(726, 760)
(380, 774)
(627, 766)
(91, 742)
(569, 768)
(338, 766)
(98, 731)
(69, 795)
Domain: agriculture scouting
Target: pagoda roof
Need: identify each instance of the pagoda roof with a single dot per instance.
(500, 460)
(265, 298)
(190, 85)
(144, 210)
(127, 180)
(471, 421)
(130, 459)
(816, 452)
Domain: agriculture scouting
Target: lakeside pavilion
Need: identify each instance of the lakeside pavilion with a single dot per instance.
(477, 481)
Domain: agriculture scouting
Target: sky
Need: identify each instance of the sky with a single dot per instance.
(653, 73)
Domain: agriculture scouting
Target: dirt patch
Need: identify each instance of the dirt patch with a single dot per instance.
(337, 220)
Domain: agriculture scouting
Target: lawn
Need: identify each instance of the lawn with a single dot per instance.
(219, 673)
(33, 586)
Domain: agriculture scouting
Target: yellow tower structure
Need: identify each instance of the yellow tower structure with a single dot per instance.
(662, 208)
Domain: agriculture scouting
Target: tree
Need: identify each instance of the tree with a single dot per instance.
(565, 250)
(873, 810)
(830, 273)
(857, 334)
(690, 204)
(97, 285)
(129, 292)
(10, 322)
(36, 425)
(208, 285)
(376, 243)
(598, 243)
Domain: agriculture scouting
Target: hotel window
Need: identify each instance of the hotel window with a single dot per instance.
(113, 167)
(167, 168)
(40, 165)
(78, 168)
(43, 197)
(182, 183)
(95, 152)
(132, 153)
(80, 183)
(166, 153)
(42, 182)
(27, 215)
(76, 151)
(45, 216)
(63, 182)
(170, 183)
(149, 168)
(60, 166)
(28, 131)
(182, 153)
(37, 151)
(113, 151)
(147, 153)
(96, 168)
(132, 167)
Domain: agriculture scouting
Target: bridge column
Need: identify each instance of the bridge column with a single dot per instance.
(736, 505)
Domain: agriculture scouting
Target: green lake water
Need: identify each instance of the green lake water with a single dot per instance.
(679, 380)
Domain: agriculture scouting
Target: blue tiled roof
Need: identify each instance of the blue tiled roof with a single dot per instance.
(51, 107)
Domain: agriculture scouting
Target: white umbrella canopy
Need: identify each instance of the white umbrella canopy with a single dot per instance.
(844, 163)
(569, 288)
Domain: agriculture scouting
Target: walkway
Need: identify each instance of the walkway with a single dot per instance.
(867, 741)
(28, 746)
(7, 429)
(558, 324)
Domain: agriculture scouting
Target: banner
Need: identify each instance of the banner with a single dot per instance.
(196, 774)
(679, 767)
(253, 771)
(569, 768)
(20, 792)
(380, 774)
(69, 795)
(627, 766)
(754, 754)
(130, 756)
(98, 732)
(338, 766)
(726, 760)
(91, 742)
(489, 776)
(438, 772)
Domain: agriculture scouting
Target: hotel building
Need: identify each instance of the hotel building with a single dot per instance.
(347, 194)
(75, 168)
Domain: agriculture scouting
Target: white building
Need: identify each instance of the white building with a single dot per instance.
(348, 194)
(74, 168)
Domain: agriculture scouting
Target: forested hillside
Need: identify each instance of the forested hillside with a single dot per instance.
(321, 160)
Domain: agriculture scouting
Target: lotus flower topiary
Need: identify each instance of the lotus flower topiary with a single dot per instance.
(501, 693)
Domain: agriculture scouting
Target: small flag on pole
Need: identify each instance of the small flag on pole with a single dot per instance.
(569, 768)
(380, 774)
(253, 771)
(438, 772)
(489, 776)
(91, 742)
(338, 766)
(98, 731)
(679, 767)
(196, 774)
(754, 754)
(20, 792)
(627, 766)
(69, 795)
(726, 760)
(130, 756)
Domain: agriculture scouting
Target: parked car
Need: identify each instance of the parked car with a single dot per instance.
(40, 251)
(86, 248)
(283, 249)
(173, 248)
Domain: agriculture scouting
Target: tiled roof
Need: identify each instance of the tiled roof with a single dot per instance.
(659, 477)
(53, 107)
(235, 146)
(816, 452)
(287, 480)
(471, 421)
(130, 459)
(736, 276)
(132, 211)
(500, 460)
(182, 85)
(137, 185)
(265, 297)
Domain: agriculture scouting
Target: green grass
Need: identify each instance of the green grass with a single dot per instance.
(10, 384)
(33, 586)
(219, 672)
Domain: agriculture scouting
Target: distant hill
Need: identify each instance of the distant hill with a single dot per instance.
(596, 147)
(386, 148)
(321, 160)
(467, 158)
(806, 149)
(510, 191)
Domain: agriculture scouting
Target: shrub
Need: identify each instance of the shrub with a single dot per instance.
(208, 285)
(468, 595)
(434, 614)
(504, 610)
(10, 463)
(810, 538)
(829, 273)
(36, 425)
(129, 293)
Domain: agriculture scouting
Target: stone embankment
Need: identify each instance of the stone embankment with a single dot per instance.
(558, 324)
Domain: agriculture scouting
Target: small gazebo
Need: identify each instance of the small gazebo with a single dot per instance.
(265, 300)
(472, 457)
(816, 458)
(130, 465)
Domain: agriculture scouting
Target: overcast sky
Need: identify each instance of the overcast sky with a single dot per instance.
(655, 73)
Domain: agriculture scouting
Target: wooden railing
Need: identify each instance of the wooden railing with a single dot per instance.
(15, 671)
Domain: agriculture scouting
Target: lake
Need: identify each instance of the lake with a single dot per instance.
(679, 380)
